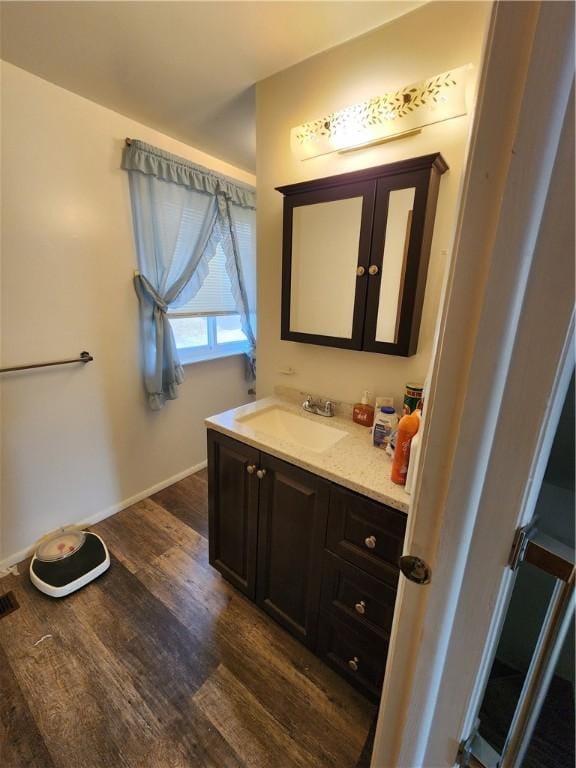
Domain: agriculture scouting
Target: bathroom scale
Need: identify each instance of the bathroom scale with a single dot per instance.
(67, 561)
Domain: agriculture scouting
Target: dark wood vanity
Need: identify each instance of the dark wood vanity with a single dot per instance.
(355, 256)
(319, 559)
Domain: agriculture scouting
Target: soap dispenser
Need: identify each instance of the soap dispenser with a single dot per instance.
(363, 412)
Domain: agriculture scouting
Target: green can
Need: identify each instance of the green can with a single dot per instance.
(412, 397)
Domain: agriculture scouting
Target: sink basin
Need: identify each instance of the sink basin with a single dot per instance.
(284, 425)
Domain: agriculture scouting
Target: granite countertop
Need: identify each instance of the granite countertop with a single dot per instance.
(352, 462)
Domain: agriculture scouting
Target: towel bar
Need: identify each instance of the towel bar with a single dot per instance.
(85, 357)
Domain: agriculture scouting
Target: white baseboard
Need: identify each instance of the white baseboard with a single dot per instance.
(17, 557)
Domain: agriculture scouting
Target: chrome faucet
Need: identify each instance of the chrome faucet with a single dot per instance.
(319, 407)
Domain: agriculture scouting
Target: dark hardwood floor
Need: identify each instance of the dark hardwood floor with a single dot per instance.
(161, 664)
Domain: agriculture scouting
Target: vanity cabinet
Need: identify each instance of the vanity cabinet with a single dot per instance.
(355, 256)
(267, 521)
(233, 510)
(291, 528)
(367, 534)
(359, 580)
(319, 559)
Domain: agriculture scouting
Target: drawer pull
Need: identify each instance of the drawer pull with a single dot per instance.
(260, 474)
(251, 468)
(360, 607)
(353, 664)
(370, 542)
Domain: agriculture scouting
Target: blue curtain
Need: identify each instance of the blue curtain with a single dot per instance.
(181, 214)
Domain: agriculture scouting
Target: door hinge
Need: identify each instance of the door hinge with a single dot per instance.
(476, 752)
(521, 539)
(465, 747)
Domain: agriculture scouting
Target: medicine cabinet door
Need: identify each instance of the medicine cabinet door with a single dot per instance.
(325, 262)
(403, 222)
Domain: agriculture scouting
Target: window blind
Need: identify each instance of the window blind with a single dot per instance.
(245, 227)
(215, 296)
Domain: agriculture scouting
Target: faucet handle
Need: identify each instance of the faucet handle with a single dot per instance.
(329, 408)
(308, 400)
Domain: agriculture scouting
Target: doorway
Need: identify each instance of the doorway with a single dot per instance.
(527, 713)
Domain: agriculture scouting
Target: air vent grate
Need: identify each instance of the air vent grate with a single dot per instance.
(8, 603)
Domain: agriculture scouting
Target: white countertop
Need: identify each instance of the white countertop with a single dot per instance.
(353, 462)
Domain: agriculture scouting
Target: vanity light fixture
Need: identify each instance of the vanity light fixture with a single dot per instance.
(393, 115)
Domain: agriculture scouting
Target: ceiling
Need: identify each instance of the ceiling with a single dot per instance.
(185, 68)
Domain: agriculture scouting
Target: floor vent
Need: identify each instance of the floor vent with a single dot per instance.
(8, 603)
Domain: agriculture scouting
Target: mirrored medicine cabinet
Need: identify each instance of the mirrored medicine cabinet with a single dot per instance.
(355, 256)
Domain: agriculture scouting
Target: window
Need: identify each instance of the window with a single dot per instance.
(207, 337)
(208, 325)
(195, 238)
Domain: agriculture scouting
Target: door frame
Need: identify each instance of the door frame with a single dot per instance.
(498, 377)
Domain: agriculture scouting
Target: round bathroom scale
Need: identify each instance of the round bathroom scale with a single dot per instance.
(68, 561)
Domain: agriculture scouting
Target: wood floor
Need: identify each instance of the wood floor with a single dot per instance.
(161, 664)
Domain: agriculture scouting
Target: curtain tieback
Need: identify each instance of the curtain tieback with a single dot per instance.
(146, 291)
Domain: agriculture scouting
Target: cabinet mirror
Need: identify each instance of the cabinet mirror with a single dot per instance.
(323, 288)
(355, 256)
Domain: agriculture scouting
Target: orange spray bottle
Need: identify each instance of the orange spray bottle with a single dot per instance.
(407, 428)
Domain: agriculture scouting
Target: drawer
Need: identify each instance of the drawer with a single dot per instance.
(364, 602)
(359, 657)
(366, 533)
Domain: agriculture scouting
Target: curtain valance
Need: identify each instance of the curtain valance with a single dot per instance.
(139, 156)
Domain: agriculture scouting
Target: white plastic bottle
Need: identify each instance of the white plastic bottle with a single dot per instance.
(414, 459)
(385, 422)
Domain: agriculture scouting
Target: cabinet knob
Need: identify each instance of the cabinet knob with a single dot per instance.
(360, 607)
(370, 542)
(373, 269)
(353, 664)
(260, 473)
(251, 468)
(360, 271)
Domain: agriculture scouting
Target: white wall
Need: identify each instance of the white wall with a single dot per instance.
(79, 441)
(430, 40)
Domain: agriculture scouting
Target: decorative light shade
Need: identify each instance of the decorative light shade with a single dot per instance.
(430, 101)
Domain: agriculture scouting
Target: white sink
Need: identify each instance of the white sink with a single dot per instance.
(284, 425)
